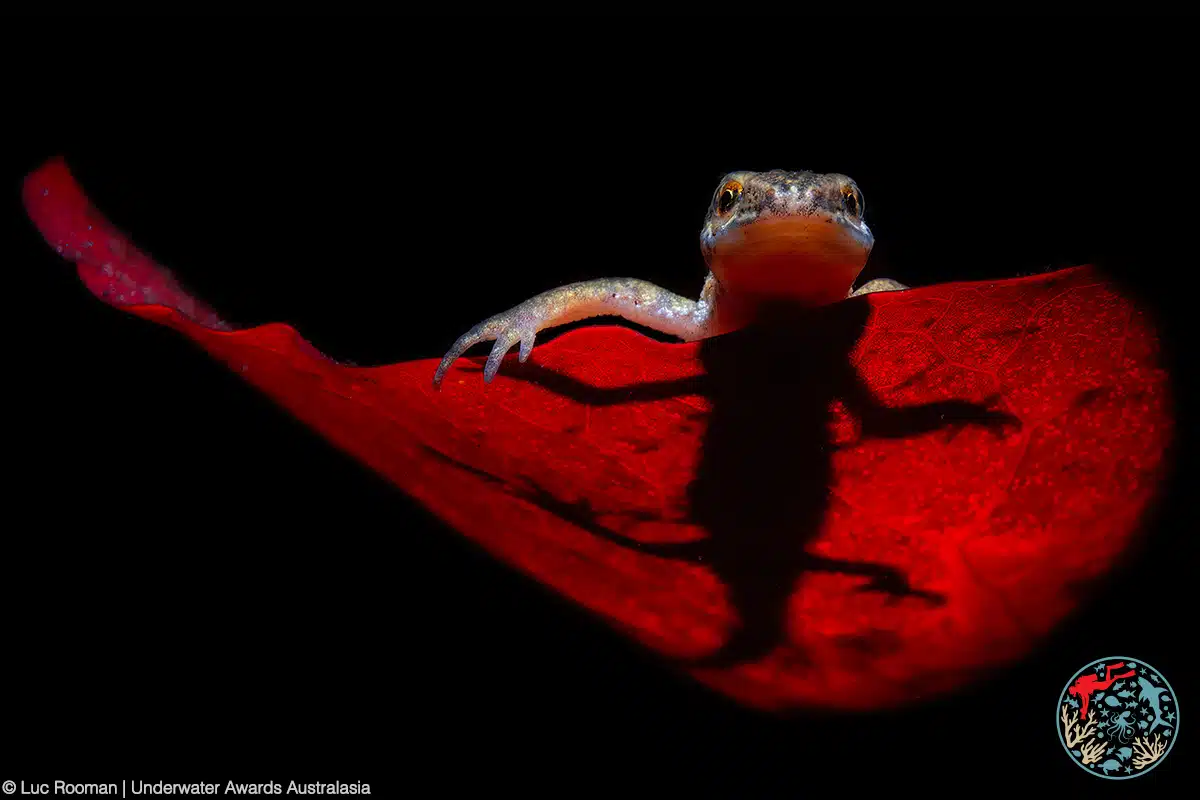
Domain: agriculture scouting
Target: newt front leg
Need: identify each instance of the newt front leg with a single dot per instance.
(632, 299)
(879, 285)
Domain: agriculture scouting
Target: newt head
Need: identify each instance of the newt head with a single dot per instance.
(797, 236)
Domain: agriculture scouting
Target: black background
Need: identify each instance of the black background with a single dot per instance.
(196, 587)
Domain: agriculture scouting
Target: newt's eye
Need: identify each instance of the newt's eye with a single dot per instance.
(852, 201)
(729, 195)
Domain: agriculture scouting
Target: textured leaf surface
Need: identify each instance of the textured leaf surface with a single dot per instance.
(701, 495)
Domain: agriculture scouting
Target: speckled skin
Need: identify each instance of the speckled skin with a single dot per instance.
(742, 200)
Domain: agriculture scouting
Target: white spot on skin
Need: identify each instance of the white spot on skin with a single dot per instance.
(45, 192)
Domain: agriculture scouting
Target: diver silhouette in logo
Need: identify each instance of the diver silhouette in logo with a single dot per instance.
(1086, 685)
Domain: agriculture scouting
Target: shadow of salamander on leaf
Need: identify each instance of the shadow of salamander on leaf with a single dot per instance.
(761, 489)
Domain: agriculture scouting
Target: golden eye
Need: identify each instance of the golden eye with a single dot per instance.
(852, 202)
(728, 196)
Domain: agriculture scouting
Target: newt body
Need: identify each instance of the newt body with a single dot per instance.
(768, 236)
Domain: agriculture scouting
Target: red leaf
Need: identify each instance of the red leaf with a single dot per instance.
(576, 467)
